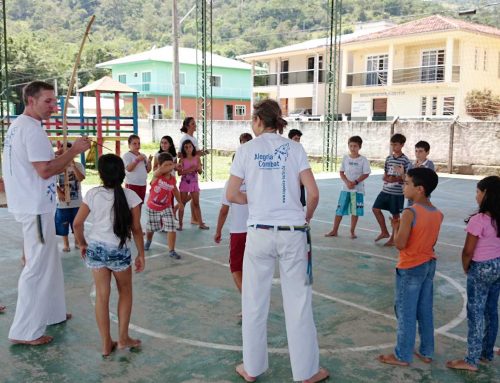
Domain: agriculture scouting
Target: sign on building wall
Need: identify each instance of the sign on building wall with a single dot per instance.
(361, 108)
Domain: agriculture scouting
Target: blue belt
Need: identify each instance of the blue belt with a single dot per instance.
(281, 228)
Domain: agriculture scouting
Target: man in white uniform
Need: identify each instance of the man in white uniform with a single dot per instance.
(273, 168)
(28, 169)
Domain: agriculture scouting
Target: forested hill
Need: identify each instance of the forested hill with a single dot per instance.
(43, 35)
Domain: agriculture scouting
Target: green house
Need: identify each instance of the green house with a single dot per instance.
(150, 73)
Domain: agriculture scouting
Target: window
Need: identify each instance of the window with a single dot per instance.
(284, 72)
(434, 105)
(215, 81)
(485, 60)
(240, 110)
(136, 74)
(423, 106)
(182, 78)
(122, 78)
(376, 68)
(146, 81)
(432, 66)
(448, 106)
(310, 68)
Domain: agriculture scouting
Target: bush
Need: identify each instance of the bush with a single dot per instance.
(482, 104)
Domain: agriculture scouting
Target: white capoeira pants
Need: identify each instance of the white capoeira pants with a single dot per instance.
(262, 249)
(40, 300)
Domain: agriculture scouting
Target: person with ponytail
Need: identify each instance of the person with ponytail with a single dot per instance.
(481, 264)
(273, 168)
(115, 214)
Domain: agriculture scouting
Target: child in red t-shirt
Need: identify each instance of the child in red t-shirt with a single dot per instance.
(159, 205)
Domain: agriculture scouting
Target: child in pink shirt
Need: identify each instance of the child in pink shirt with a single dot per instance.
(481, 263)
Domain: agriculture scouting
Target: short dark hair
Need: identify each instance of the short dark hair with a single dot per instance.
(164, 157)
(357, 139)
(133, 137)
(33, 88)
(399, 138)
(424, 145)
(294, 132)
(425, 177)
(245, 137)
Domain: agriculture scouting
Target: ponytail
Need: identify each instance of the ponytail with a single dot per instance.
(112, 172)
(269, 112)
(122, 223)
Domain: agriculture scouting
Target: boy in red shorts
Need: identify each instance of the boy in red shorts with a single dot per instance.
(237, 230)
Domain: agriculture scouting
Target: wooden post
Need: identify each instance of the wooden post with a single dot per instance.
(117, 122)
(98, 122)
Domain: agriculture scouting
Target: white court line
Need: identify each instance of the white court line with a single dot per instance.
(442, 330)
(377, 231)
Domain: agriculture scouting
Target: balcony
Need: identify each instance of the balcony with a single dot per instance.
(287, 78)
(417, 75)
(378, 78)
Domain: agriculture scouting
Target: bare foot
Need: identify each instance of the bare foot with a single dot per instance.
(44, 339)
(353, 236)
(382, 236)
(423, 358)
(109, 349)
(66, 249)
(460, 364)
(77, 246)
(391, 359)
(2, 308)
(389, 243)
(203, 226)
(331, 234)
(321, 375)
(129, 344)
(240, 370)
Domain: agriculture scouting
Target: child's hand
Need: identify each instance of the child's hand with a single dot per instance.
(83, 251)
(140, 262)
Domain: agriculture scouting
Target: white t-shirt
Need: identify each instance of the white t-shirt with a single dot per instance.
(139, 175)
(353, 168)
(239, 213)
(270, 166)
(188, 137)
(27, 193)
(75, 188)
(100, 202)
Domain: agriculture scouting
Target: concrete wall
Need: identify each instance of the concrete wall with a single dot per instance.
(474, 143)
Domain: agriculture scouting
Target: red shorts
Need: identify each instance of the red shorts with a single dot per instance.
(140, 190)
(236, 250)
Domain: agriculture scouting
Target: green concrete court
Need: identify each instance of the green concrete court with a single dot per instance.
(185, 311)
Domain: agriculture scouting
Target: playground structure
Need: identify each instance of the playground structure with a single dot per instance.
(99, 128)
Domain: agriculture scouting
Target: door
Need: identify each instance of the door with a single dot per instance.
(228, 112)
(379, 109)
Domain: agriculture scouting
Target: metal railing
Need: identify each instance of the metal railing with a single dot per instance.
(288, 78)
(378, 78)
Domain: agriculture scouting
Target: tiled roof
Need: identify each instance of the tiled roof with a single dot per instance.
(429, 24)
(186, 56)
(107, 84)
(316, 43)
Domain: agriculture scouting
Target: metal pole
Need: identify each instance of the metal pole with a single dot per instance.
(175, 69)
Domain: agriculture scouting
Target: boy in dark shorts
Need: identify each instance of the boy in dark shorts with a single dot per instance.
(391, 197)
